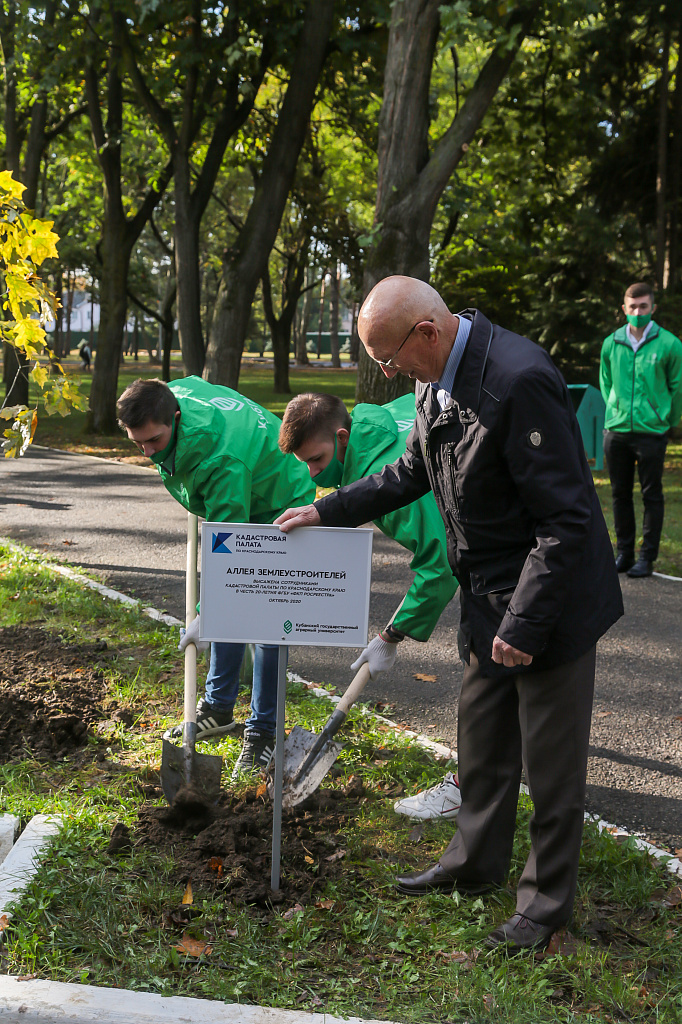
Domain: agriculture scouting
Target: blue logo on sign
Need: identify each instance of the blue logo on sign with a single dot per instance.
(219, 546)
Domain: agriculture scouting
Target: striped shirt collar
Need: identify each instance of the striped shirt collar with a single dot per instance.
(447, 379)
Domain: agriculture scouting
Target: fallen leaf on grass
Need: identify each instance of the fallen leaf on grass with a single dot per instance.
(187, 895)
(216, 864)
(459, 956)
(324, 904)
(416, 834)
(671, 899)
(193, 947)
(489, 1001)
(309, 860)
(262, 789)
(26, 977)
(231, 933)
(562, 943)
(296, 909)
(424, 678)
(4, 921)
(336, 856)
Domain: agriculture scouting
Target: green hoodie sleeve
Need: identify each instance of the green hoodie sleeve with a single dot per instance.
(224, 487)
(605, 369)
(674, 375)
(419, 528)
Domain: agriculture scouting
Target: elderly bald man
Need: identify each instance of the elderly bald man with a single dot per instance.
(496, 440)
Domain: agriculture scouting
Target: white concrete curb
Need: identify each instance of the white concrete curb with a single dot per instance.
(21, 863)
(9, 826)
(42, 1002)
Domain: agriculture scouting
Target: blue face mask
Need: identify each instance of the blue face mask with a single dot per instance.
(332, 473)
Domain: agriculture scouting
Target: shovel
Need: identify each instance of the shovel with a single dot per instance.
(188, 778)
(308, 756)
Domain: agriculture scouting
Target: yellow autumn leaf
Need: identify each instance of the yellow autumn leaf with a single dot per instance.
(8, 184)
(193, 947)
(188, 896)
(40, 375)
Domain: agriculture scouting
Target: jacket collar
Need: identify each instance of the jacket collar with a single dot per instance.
(622, 338)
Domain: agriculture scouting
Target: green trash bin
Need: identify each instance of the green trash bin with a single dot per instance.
(590, 411)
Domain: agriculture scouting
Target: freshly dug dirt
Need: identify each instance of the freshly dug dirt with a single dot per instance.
(230, 851)
(51, 693)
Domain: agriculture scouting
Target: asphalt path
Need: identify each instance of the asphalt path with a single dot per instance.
(117, 520)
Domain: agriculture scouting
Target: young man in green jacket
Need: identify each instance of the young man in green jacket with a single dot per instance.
(338, 449)
(640, 375)
(217, 454)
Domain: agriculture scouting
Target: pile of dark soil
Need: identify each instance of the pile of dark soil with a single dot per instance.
(51, 692)
(229, 849)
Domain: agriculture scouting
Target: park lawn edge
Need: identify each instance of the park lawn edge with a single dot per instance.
(372, 953)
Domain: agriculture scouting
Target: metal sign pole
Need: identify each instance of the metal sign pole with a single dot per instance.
(279, 768)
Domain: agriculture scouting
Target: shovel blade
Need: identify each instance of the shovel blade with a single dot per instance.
(298, 745)
(204, 772)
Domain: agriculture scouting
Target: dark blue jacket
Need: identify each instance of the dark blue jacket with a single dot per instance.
(506, 463)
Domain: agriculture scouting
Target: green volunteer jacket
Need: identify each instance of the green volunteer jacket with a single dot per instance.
(377, 438)
(225, 463)
(642, 389)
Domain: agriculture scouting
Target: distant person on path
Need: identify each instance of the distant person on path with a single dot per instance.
(85, 354)
(497, 441)
(640, 376)
(217, 454)
(339, 448)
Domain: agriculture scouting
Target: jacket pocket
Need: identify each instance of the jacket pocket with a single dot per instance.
(493, 581)
(449, 483)
(656, 413)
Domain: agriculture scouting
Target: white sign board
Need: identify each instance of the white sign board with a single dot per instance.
(309, 587)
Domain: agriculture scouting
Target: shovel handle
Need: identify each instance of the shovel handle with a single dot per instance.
(190, 613)
(356, 687)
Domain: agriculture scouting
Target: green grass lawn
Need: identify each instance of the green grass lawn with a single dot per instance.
(356, 947)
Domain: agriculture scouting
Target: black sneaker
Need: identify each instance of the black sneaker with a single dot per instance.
(256, 753)
(210, 722)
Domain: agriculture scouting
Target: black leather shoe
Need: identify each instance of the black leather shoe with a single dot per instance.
(624, 562)
(641, 568)
(437, 879)
(520, 933)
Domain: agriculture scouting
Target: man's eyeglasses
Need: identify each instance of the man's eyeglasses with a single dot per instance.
(388, 363)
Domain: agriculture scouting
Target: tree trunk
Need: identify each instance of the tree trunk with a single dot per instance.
(246, 262)
(662, 162)
(334, 296)
(60, 348)
(116, 249)
(320, 316)
(69, 309)
(410, 180)
(15, 374)
(355, 337)
(92, 314)
(187, 273)
(166, 330)
(303, 318)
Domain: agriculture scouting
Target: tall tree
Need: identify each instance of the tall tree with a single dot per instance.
(120, 229)
(412, 175)
(245, 261)
(210, 70)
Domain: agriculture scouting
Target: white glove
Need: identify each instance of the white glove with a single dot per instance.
(191, 636)
(379, 655)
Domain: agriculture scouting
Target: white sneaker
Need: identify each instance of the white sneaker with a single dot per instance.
(441, 801)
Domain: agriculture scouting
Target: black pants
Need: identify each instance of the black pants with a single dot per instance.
(541, 721)
(622, 451)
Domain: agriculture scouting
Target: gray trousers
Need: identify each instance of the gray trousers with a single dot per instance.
(540, 720)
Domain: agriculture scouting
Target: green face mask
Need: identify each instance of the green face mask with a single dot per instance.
(639, 321)
(332, 473)
(158, 458)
